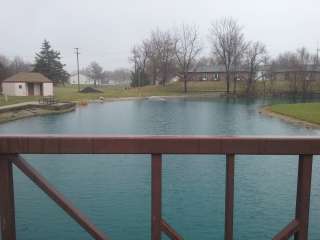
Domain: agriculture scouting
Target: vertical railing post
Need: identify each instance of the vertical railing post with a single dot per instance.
(229, 198)
(156, 169)
(8, 230)
(303, 196)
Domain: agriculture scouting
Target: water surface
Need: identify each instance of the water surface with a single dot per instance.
(114, 190)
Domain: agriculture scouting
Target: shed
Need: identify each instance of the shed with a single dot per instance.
(27, 84)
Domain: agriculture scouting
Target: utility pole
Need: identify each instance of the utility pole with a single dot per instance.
(77, 53)
(318, 50)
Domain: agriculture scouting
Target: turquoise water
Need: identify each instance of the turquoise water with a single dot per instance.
(114, 190)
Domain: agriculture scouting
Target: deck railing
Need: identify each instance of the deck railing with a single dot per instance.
(11, 148)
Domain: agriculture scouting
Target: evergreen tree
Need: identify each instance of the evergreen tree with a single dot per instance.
(48, 62)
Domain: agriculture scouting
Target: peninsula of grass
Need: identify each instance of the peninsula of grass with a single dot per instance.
(308, 112)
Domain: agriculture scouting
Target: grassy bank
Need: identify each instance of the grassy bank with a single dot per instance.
(309, 112)
(70, 93)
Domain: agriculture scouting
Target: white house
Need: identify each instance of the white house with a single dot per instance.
(27, 84)
(83, 79)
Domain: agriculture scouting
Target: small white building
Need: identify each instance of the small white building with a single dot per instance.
(83, 79)
(27, 84)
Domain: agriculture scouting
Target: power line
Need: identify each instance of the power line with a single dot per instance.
(318, 50)
(77, 53)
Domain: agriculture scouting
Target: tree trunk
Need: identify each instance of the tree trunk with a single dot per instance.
(185, 83)
(228, 82)
(234, 84)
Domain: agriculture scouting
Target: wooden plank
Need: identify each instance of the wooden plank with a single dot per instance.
(303, 196)
(169, 231)
(287, 231)
(57, 197)
(7, 210)
(229, 198)
(156, 188)
(93, 144)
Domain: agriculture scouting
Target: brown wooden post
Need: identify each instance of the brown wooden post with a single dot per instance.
(303, 196)
(156, 167)
(8, 229)
(228, 224)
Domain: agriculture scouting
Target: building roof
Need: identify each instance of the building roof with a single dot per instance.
(30, 77)
(303, 68)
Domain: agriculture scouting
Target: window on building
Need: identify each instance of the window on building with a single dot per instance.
(20, 86)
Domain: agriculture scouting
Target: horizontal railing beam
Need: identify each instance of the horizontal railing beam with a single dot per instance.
(80, 144)
(66, 205)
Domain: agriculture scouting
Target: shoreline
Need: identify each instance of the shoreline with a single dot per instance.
(27, 110)
(183, 96)
(292, 120)
(14, 112)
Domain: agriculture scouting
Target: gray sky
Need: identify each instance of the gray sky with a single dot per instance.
(105, 30)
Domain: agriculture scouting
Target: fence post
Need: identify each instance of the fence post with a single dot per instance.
(303, 196)
(7, 213)
(156, 168)
(229, 198)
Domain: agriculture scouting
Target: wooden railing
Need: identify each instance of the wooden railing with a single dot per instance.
(11, 148)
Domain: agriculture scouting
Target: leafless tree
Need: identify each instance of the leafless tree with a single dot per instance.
(19, 65)
(305, 62)
(297, 67)
(228, 44)
(139, 57)
(164, 45)
(187, 48)
(255, 55)
(95, 72)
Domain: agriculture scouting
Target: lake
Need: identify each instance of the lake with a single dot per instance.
(114, 190)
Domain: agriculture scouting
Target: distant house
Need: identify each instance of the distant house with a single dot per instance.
(264, 72)
(216, 73)
(278, 73)
(83, 79)
(27, 84)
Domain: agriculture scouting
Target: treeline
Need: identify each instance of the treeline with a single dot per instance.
(303, 69)
(47, 61)
(100, 76)
(9, 66)
(165, 54)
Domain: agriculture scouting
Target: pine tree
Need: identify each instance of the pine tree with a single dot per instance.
(48, 62)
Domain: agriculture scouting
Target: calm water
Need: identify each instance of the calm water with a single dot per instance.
(114, 190)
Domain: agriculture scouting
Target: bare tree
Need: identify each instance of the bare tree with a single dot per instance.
(255, 55)
(95, 72)
(228, 44)
(139, 57)
(187, 48)
(297, 66)
(164, 45)
(305, 62)
(19, 65)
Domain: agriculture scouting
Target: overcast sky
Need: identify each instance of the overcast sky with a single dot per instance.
(106, 30)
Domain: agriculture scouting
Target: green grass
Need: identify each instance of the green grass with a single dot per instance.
(70, 93)
(14, 100)
(309, 112)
